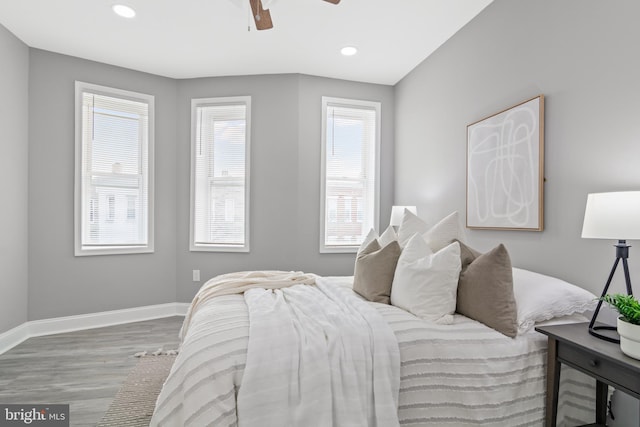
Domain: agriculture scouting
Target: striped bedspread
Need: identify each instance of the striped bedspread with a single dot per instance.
(464, 374)
(467, 374)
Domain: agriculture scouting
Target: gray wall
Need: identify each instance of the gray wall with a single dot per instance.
(285, 173)
(285, 185)
(14, 132)
(61, 284)
(582, 55)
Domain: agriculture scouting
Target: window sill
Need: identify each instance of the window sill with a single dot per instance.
(339, 249)
(115, 250)
(218, 248)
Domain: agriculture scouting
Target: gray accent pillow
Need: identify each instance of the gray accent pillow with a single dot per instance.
(467, 255)
(485, 289)
(374, 270)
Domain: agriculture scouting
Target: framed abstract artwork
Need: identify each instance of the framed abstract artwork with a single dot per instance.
(505, 169)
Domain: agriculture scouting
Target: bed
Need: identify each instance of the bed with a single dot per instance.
(427, 332)
(462, 373)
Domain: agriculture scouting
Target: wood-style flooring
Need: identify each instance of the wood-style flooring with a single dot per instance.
(84, 369)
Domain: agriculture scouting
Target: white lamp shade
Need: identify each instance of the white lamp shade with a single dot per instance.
(612, 216)
(397, 212)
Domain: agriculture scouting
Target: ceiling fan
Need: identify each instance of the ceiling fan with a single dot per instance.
(261, 15)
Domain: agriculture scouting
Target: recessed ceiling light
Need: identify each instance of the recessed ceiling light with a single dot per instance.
(124, 11)
(348, 51)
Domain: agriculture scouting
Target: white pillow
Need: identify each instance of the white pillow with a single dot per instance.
(425, 283)
(539, 298)
(388, 236)
(563, 320)
(410, 225)
(371, 236)
(444, 232)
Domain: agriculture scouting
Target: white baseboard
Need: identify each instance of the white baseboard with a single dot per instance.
(13, 337)
(59, 325)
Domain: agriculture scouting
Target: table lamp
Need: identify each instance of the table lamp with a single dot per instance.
(613, 216)
(397, 212)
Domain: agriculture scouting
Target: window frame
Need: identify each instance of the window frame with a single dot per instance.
(218, 247)
(91, 250)
(358, 104)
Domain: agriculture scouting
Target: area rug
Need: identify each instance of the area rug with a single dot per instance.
(135, 401)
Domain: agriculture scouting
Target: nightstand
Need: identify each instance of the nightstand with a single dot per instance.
(572, 345)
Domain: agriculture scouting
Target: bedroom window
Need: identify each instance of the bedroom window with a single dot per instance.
(114, 171)
(220, 174)
(131, 207)
(350, 187)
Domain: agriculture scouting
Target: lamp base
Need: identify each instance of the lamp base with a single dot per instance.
(592, 331)
(622, 253)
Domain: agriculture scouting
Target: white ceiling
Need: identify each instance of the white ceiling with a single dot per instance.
(200, 38)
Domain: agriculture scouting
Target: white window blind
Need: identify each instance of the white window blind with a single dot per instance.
(114, 145)
(220, 174)
(350, 146)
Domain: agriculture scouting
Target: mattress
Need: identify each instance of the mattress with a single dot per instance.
(463, 374)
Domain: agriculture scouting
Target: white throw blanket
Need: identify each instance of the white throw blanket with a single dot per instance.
(237, 283)
(317, 356)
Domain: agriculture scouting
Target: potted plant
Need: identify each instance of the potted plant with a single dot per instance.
(628, 323)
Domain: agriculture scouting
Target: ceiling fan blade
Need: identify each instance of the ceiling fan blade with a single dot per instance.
(333, 1)
(261, 15)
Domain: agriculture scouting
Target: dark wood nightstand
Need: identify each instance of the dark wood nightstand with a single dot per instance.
(572, 345)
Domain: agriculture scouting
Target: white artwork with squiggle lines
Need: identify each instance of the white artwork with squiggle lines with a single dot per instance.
(503, 169)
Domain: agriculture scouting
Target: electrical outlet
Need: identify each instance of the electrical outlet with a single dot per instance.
(196, 275)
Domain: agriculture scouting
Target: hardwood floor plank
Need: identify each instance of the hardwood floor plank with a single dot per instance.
(84, 368)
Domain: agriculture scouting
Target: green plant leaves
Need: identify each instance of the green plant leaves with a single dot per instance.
(626, 305)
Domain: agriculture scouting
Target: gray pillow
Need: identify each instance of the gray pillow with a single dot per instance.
(467, 255)
(485, 289)
(374, 270)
